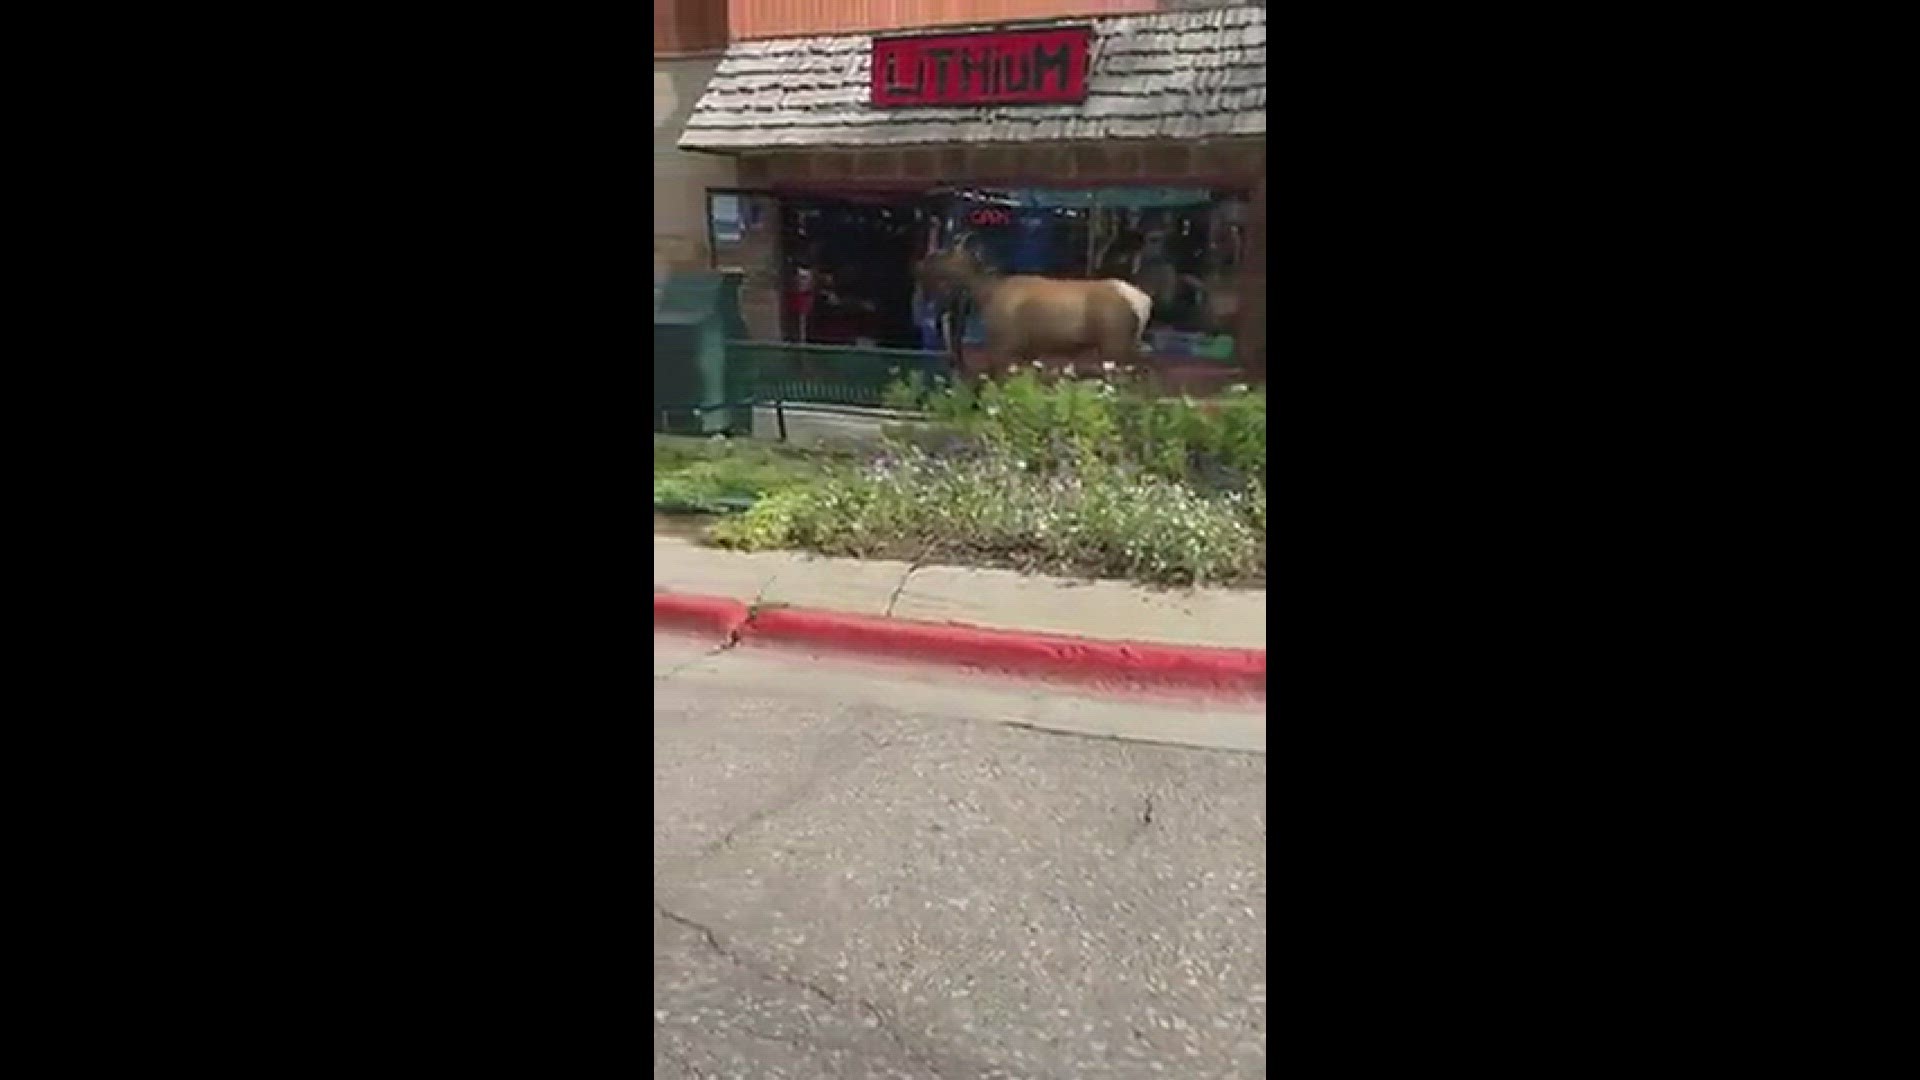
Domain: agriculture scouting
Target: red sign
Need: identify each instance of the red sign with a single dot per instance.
(990, 216)
(1011, 67)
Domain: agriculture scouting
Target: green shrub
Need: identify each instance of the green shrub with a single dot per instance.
(1113, 421)
(716, 474)
(906, 393)
(768, 524)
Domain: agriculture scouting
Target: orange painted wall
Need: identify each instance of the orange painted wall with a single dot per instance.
(786, 18)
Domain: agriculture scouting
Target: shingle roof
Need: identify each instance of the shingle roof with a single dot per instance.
(1177, 75)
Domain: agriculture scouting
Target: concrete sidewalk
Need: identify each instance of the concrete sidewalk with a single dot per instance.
(996, 599)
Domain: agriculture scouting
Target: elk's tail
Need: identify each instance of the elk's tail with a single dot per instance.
(1138, 300)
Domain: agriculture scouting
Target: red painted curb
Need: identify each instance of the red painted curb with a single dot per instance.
(699, 612)
(1240, 670)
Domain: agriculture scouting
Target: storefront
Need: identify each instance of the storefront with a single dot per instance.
(1130, 147)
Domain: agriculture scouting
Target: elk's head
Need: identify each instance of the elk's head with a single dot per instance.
(958, 265)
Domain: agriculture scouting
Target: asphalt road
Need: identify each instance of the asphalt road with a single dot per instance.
(884, 872)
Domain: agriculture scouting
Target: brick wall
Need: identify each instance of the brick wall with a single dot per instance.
(681, 179)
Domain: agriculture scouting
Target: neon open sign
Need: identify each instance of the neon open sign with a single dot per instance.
(1008, 67)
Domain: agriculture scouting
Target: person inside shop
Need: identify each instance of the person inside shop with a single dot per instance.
(1153, 270)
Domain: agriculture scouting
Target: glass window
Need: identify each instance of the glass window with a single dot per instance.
(1181, 246)
(847, 265)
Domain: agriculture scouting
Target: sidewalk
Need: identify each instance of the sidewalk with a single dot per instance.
(991, 599)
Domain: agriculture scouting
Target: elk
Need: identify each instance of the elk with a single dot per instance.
(1037, 318)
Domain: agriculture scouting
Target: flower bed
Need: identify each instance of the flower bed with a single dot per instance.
(1043, 470)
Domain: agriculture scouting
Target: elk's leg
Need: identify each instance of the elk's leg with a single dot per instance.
(1002, 349)
(1116, 335)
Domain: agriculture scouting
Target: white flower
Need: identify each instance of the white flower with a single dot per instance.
(1108, 365)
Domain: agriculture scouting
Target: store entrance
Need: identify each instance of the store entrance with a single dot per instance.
(848, 269)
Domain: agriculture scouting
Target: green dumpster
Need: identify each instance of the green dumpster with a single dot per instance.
(694, 314)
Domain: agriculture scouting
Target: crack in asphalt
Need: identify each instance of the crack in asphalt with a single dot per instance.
(706, 932)
(1126, 740)
(880, 1018)
(686, 1067)
(760, 815)
(828, 763)
(733, 639)
(886, 1025)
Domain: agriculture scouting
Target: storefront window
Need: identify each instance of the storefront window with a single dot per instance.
(845, 263)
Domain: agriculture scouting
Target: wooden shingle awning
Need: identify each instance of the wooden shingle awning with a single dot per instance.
(1174, 75)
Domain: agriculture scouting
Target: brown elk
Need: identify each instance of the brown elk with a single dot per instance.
(1029, 317)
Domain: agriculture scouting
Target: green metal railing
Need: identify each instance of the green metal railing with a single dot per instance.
(822, 374)
(774, 374)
